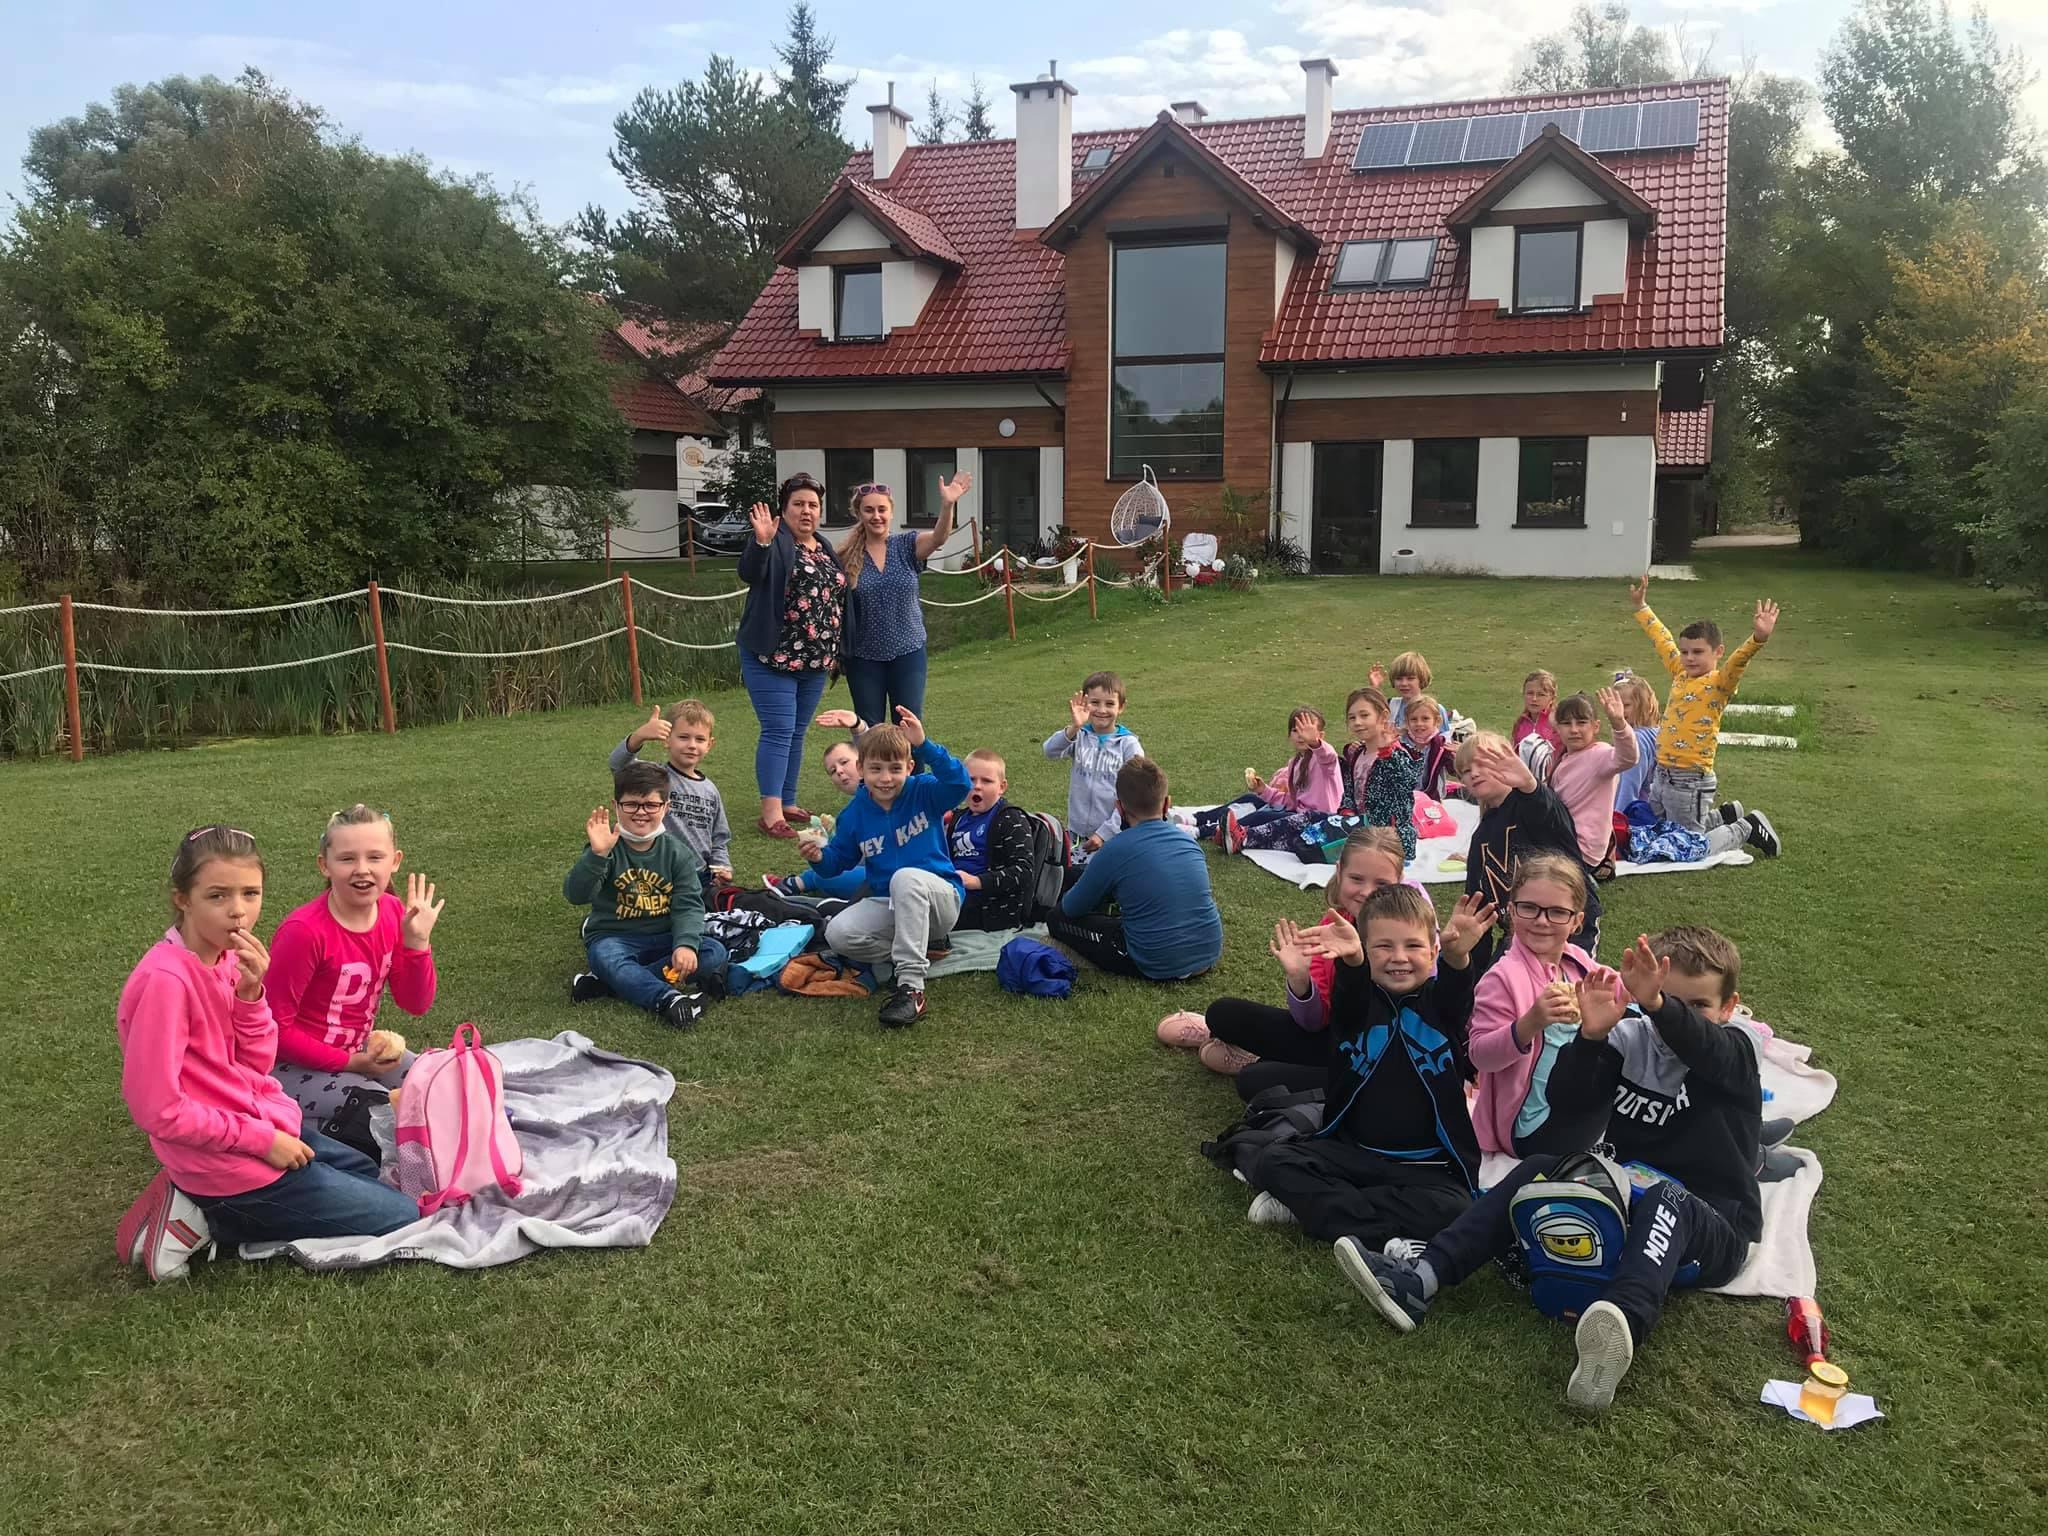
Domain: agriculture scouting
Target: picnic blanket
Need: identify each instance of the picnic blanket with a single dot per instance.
(593, 1127)
(972, 949)
(1781, 1263)
(1430, 864)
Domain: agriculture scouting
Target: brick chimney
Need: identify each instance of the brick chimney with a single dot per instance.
(1045, 148)
(1322, 91)
(891, 133)
(1189, 113)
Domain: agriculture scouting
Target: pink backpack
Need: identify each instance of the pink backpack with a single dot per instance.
(454, 1138)
(1433, 818)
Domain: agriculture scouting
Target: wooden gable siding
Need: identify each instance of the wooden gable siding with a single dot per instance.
(1248, 315)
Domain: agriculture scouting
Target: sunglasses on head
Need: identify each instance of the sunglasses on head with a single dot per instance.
(872, 488)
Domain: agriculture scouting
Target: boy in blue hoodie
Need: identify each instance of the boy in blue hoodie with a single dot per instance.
(895, 831)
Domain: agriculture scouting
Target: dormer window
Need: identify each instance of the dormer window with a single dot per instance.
(857, 303)
(1384, 264)
(1547, 267)
(1098, 157)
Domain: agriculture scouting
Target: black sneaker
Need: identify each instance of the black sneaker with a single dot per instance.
(904, 1008)
(1774, 1133)
(1763, 836)
(1732, 812)
(681, 1010)
(587, 987)
(1391, 1285)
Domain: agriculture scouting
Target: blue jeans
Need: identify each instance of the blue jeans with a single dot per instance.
(335, 1195)
(784, 703)
(879, 686)
(631, 965)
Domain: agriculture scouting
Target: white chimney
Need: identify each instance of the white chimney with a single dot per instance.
(1045, 148)
(892, 126)
(1322, 91)
(1189, 112)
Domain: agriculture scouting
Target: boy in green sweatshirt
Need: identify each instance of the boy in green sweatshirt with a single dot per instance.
(644, 890)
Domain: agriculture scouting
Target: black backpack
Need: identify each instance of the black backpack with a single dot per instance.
(1274, 1115)
(1051, 851)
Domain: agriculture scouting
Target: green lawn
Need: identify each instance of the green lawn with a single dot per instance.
(973, 1276)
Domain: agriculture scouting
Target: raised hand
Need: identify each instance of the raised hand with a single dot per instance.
(601, 833)
(1642, 973)
(1377, 677)
(1287, 949)
(911, 726)
(1766, 620)
(1600, 1003)
(1471, 920)
(251, 960)
(1338, 938)
(422, 911)
(837, 719)
(1505, 764)
(287, 1152)
(655, 729)
(1639, 591)
(763, 522)
(1610, 701)
(952, 490)
(1077, 706)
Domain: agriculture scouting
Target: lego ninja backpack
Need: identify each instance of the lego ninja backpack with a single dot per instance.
(454, 1138)
(1570, 1227)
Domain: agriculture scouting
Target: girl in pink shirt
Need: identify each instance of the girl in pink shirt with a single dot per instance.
(197, 1045)
(1310, 783)
(333, 958)
(1525, 1011)
(1583, 774)
(1539, 698)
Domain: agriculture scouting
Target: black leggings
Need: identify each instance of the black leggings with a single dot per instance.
(1289, 1056)
(1338, 1190)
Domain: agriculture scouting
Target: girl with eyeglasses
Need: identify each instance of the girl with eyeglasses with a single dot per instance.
(197, 1045)
(885, 651)
(1526, 1011)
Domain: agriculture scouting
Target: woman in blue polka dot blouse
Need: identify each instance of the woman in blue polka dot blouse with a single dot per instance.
(885, 655)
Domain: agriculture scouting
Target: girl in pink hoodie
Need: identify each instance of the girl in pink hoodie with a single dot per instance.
(1524, 1013)
(1308, 785)
(197, 1046)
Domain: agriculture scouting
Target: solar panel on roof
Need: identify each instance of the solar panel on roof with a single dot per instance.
(1670, 124)
(1383, 145)
(1441, 142)
(1606, 130)
(1534, 123)
(1494, 138)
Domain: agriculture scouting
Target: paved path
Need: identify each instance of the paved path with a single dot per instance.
(1771, 540)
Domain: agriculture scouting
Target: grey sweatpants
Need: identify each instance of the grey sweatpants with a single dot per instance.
(1688, 797)
(919, 913)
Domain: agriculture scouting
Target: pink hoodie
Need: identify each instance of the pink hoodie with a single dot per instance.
(1507, 991)
(195, 1070)
(1323, 792)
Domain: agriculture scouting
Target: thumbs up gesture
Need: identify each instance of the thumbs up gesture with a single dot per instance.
(654, 728)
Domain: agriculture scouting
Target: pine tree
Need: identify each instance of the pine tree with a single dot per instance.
(938, 118)
(974, 122)
(806, 86)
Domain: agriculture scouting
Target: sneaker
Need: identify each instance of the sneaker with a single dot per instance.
(1231, 836)
(134, 1224)
(1732, 812)
(1391, 1285)
(904, 1008)
(1184, 1031)
(587, 987)
(1404, 1250)
(1268, 1212)
(173, 1232)
(1221, 1056)
(1763, 836)
(681, 1010)
(1775, 1133)
(1605, 1353)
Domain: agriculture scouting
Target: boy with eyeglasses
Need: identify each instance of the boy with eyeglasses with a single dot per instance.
(644, 890)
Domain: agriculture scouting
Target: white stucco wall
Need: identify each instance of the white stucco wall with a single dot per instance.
(1045, 153)
(814, 300)
(1603, 260)
(853, 233)
(1052, 488)
(1493, 264)
(892, 465)
(919, 397)
(799, 461)
(905, 287)
(649, 531)
(1297, 463)
(1503, 379)
(1551, 186)
(1283, 269)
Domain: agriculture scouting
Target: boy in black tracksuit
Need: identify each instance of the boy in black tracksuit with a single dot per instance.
(1397, 1156)
(990, 841)
(1682, 1081)
(1517, 816)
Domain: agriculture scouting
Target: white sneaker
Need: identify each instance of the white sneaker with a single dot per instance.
(1406, 1249)
(174, 1234)
(1268, 1212)
(1605, 1353)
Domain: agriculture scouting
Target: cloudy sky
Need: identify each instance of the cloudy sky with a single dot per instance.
(525, 90)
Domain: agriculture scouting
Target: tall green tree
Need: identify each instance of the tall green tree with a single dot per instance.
(938, 118)
(806, 56)
(1598, 47)
(975, 122)
(240, 361)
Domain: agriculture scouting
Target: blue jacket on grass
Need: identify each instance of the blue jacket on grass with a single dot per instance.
(910, 833)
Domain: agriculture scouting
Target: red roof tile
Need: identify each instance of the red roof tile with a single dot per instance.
(654, 344)
(1685, 439)
(909, 229)
(1003, 312)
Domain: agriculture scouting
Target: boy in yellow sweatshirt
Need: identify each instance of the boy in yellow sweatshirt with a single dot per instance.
(1682, 786)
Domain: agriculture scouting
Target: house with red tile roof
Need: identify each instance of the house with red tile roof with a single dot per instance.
(1467, 336)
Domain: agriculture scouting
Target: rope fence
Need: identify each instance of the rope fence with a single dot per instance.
(1003, 560)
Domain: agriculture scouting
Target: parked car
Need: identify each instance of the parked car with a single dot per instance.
(721, 530)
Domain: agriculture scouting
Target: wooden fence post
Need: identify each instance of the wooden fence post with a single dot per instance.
(1009, 591)
(383, 662)
(632, 633)
(690, 535)
(1091, 581)
(69, 637)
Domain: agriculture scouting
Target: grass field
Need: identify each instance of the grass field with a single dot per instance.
(973, 1276)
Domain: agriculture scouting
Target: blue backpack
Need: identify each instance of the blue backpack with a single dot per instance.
(1033, 969)
(1571, 1225)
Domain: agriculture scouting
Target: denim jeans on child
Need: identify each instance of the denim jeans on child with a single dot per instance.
(335, 1195)
(631, 965)
(1688, 797)
(784, 703)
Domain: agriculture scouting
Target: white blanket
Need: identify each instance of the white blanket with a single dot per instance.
(1781, 1262)
(593, 1129)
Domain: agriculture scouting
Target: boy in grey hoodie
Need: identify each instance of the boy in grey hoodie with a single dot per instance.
(1099, 748)
(696, 811)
